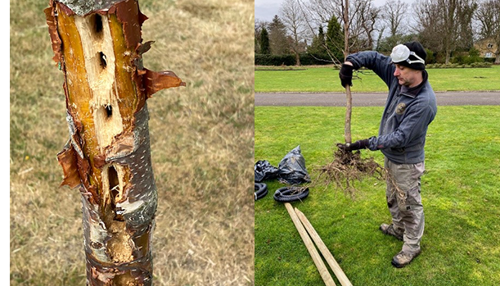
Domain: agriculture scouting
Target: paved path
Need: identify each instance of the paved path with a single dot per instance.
(370, 99)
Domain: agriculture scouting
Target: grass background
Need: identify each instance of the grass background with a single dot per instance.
(326, 79)
(201, 142)
(460, 191)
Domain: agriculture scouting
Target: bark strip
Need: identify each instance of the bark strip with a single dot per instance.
(99, 49)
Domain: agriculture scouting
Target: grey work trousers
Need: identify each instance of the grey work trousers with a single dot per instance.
(405, 203)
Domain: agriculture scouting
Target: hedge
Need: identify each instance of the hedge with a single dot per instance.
(289, 60)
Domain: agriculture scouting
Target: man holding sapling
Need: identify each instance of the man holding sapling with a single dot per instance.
(410, 108)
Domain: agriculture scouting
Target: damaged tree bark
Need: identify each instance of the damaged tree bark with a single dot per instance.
(99, 49)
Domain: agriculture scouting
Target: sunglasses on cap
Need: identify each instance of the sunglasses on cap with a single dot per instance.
(401, 53)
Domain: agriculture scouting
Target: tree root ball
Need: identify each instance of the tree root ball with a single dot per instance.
(347, 167)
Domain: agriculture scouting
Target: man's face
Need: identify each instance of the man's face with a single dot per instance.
(407, 76)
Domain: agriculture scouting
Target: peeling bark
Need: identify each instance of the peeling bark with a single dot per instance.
(98, 46)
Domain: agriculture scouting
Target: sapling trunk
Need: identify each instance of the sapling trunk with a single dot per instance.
(348, 112)
(98, 47)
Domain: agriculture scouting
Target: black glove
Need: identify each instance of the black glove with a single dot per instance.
(345, 75)
(360, 144)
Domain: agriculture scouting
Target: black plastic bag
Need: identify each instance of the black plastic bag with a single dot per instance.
(264, 171)
(292, 168)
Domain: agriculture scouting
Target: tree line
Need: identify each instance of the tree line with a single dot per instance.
(313, 29)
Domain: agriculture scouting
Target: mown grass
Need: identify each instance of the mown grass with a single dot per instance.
(460, 190)
(201, 142)
(326, 79)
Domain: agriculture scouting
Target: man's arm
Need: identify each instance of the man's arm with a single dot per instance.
(374, 61)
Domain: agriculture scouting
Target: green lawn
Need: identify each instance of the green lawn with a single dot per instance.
(460, 190)
(326, 79)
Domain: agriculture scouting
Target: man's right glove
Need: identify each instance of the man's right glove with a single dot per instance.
(360, 144)
(345, 75)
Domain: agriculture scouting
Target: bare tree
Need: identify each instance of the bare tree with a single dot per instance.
(393, 14)
(445, 24)
(295, 22)
(394, 19)
(363, 17)
(429, 24)
(320, 43)
(98, 47)
(488, 16)
(367, 18)
(321, 11)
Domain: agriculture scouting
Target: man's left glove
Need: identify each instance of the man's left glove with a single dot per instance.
(360, 144)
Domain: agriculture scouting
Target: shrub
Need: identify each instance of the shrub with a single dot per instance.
(274, 60)
(289, 60)
(315, 59)
(448, 66)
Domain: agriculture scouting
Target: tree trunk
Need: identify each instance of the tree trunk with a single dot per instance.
(99, 49)
(297, 58)
(497, 53)
(348, 112)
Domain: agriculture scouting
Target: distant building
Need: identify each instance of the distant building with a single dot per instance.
(487, 48)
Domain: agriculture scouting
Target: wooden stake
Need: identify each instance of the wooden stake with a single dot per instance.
(324, 250)
(320, 265)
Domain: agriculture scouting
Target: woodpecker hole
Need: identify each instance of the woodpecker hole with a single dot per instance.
(102, 59)
(109, 110)
(114, 183)
(96, 21)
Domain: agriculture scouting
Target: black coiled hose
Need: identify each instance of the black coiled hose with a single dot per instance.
(260, 190)
(290, 194)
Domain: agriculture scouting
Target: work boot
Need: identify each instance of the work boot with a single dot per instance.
(390, 230)
(404, 258)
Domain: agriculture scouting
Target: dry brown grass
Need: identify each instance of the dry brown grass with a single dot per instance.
(201, 142)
